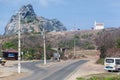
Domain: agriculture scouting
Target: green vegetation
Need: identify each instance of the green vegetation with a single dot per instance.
(108, 42)
(28, 54)
(101, 77)
(9, 45)
(100, 61)
(88, 45)
(103, 50)
(118, 43)
(32, 29)
(85, 36)
(22, 21)
(29, 19)
(70, 43)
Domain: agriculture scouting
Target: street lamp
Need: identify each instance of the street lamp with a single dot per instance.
(19, 44)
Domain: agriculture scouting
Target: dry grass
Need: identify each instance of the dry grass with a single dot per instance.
(14, 76)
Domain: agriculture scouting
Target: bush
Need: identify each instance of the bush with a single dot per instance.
(101, 78)
(103, 50)
(85, 36)
(91, 47)
(94, 78)
(118, 43)
(30, 19)
(100, 61)
(113, 52)
(9, 45)
(80, 79)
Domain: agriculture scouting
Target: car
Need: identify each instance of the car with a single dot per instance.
(112, 64)
(2, 61)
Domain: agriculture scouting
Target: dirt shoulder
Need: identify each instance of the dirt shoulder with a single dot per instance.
(86, 69)
(9, 71)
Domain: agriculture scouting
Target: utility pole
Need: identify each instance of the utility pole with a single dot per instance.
(74, 47)
(44, 46)
(74, 39)
(19, 45)
(44, 41)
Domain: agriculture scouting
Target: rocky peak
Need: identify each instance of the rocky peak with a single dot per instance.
(30, 22)
(27, 11)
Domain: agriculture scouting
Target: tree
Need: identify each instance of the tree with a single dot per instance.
(9, 45)
(118, 43)
(108, 40)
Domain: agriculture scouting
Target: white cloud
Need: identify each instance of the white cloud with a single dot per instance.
(46, 3)
(12, 2)
(8, 1)
(43, 3)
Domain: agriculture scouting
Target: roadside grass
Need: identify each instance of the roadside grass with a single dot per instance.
(85, 53)
(103, 76)
(100, 61)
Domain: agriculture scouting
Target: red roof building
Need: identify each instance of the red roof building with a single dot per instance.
(10, 54)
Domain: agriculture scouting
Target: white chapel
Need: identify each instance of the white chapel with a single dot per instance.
(98, 26)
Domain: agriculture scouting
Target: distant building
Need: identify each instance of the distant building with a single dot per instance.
(98, 26)
(10, 54)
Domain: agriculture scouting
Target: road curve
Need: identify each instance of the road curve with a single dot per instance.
(64, 72)
(46, 73)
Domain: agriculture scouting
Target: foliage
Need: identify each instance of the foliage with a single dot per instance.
(22, 21)
(113, 52)
(28, 54)
(91, 47)
(9, 45)
(68, 44)
(85, 36)
(29, 19)
(100, 61)
(118, 43)
(101, 78)
(80, 78)
(76, 37)
(87, 45)
(103, 50)
(32, 29)
(105, 41)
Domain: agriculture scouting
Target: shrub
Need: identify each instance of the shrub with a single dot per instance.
(80, 79)
(103, 50)
(118, 43)
(100, 61)
(9, 45)
(113, 52)
(101, 78)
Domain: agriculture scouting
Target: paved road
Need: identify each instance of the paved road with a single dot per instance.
(54, 72)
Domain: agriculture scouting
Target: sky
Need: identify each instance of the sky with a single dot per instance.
(72, 13)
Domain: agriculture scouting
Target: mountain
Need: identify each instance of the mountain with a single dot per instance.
(30, 22)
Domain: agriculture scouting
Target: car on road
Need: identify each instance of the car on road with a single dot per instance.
(112, 64)
(2, 61)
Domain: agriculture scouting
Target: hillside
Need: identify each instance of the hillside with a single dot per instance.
(81, 40)
(33, 42)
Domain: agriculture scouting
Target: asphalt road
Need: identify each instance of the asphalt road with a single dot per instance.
(55, 72)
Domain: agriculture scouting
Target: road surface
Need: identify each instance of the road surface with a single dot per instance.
(54, 72)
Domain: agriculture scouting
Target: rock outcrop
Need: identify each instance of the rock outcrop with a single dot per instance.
(30, 22)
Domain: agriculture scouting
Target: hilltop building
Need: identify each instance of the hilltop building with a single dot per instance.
(98, 26)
